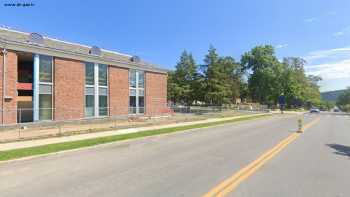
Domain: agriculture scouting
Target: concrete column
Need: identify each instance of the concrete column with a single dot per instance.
(137, 92)
(36, 87)
(96, 90)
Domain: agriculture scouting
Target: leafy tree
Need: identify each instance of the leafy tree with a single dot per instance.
(344, 100)
(263, 84)
(243, 91)
(220, 80)
(269, 78)
(327, 105)
(299, 88)
(294, 81)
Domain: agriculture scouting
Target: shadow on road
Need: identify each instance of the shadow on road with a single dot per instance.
(340, 149)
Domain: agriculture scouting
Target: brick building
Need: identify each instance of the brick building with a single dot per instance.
(44, 79)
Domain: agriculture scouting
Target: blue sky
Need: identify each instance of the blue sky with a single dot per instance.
(158, 30)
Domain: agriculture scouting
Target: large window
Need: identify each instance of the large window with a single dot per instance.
(102, 90)
(136, 92)
(45, 88)
(89, 89)
(89, 74)
(96, 90)
(45, 69)
(89, 102)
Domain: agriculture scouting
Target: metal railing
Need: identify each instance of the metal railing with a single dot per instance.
(69, 121)
(18, 124)
(211, 109)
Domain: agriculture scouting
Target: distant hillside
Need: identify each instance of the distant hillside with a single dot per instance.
(331, 95)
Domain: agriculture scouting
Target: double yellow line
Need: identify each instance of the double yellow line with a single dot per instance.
(232, 182)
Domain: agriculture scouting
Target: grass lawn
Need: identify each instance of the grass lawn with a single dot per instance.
(51, 148)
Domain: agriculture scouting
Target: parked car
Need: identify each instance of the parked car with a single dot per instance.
(314, 110)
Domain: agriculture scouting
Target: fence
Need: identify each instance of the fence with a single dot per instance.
(24, 115)
(19, 125)
(73, 121)
(210, 109)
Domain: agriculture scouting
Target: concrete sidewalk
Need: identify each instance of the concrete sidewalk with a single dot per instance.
(40, 142)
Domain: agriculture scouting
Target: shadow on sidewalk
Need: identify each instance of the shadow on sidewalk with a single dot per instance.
(340, 149)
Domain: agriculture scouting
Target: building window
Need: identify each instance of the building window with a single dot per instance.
(102, 90)
(102, 75)
(132, 78)
(96, 90)
(136, 92)
(89, 102)
(45, 69)
(45, 87)
(141, 101)
(89, 89)
(45, 105)
(89, 74)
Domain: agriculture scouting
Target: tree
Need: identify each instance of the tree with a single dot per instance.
(222, 77)
(269, 78)
(327, 105)
(294, 81)
(220, 80)
(299, 88)
(215, 88)
(182, 82)
(343, 100)
(311, 92)
(263, 83)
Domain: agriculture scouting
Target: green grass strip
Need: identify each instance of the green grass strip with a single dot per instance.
(51, 148)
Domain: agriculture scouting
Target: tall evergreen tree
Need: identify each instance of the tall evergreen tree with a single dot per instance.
(173, 88)
(185, 76)
(222, 78)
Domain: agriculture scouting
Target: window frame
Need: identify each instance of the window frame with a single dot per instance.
(96, 93)
(137, 95)
(103, 87)
(47, 84)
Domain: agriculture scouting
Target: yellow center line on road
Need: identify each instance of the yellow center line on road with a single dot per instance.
(228, 185)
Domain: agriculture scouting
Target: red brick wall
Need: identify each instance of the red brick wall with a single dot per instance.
(156, 94)
(1, 92)
(69, 87)
(118, 91)
(10, 106)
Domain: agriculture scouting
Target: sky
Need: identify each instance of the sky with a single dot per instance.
(158, 30)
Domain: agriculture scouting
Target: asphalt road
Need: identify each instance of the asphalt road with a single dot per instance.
(315, 165)
(192, 163)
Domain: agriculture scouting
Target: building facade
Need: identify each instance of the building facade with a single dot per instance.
(45, 79)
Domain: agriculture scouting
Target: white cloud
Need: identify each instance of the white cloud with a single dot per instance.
(328, 71)
(343, 32)
(281, 46)
(329, 64)
(339, 33)
(310, 20)
(335, 54)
